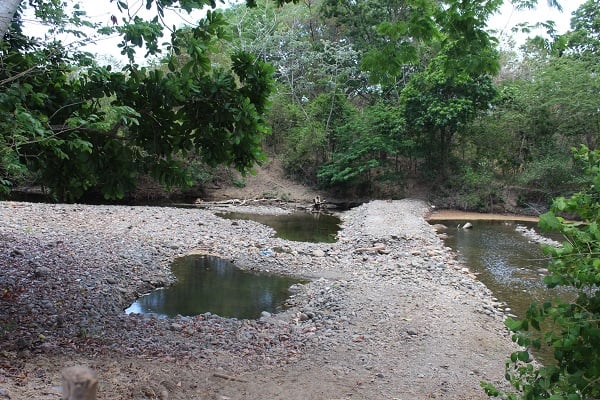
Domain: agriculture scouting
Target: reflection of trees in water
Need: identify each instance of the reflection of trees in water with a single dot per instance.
(212, 284)
(300, 226)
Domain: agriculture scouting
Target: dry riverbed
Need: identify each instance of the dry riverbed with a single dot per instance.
(405, 322)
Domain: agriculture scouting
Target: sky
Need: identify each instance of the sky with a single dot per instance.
(509, 17)
(503, 22)
(102, 10)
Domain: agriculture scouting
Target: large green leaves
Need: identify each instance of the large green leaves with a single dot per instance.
(226, 121)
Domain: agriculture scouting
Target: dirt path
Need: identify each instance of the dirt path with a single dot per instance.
(268, 182)
(408, 322)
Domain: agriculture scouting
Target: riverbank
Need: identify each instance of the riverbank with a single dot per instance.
(407, 322)
(441, 215)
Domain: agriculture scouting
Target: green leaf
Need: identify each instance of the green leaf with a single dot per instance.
(549, 222)
(512, 324)
(523, 356)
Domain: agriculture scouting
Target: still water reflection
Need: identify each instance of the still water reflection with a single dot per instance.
(211, 284)
(298, 227)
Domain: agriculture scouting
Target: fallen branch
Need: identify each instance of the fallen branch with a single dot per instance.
(238, 202)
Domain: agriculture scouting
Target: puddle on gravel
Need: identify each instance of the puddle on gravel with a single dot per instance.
(211, 284)
(298, 226)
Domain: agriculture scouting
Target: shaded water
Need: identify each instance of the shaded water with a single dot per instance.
(298, 227)
(211, 284)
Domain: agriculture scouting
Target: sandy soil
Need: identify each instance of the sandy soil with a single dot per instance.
(268, 182)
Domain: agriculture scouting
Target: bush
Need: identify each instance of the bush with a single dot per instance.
(472, 187)
(555, 171)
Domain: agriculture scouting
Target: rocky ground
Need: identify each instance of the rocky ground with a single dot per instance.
(405, 322)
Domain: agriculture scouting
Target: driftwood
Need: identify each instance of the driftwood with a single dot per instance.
(378, 247)
(79, 383)
(235, 202)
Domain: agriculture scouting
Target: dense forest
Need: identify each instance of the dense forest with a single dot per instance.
(360, 98)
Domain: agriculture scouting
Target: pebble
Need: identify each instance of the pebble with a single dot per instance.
(318, 253)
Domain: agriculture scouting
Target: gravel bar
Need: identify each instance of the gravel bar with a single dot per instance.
(388, 311)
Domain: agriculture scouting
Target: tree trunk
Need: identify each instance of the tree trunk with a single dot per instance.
(8, 8)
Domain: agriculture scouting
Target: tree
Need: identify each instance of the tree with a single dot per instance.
(318, 79)
(584, 37)
(445, 93)
(434, 60)
(370, 143)
(75, 126)
(548, 103)
(8, 9)
(436, 106)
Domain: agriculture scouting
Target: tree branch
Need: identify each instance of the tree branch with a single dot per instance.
(17, 76)
(112, 133)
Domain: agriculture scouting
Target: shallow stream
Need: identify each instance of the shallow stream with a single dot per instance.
(510, 264)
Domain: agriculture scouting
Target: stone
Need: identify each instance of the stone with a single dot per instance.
(175, 327)
(41, 272)
(303, 317)
(79, 383)
(318, 253)
(17, 252)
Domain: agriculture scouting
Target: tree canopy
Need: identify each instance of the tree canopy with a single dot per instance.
(73, 125)
(424, 73)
